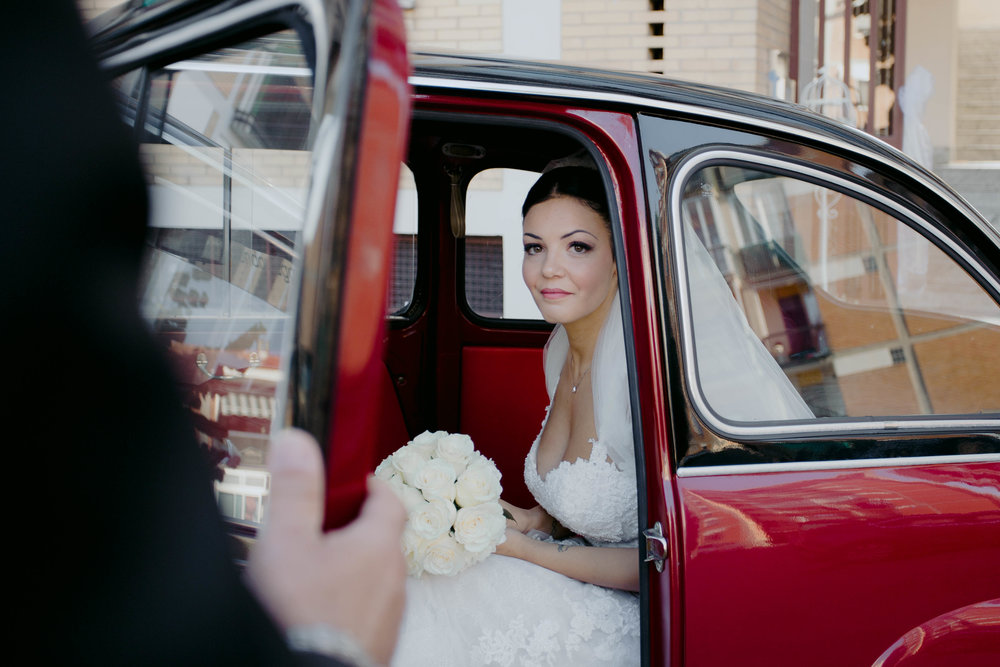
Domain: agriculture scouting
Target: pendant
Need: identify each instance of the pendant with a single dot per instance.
(574, 389)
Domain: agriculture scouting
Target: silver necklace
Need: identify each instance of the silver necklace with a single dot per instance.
(583, 375)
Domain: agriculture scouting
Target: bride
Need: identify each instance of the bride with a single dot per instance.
(560, 589)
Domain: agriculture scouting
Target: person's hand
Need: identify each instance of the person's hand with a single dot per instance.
(526, 520)
(352, 579)
(512, 545)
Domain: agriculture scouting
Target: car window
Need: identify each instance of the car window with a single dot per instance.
(404, 246)
(493, 245)
(226, 144)
(808, 302)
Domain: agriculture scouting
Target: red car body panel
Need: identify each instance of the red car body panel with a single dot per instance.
(969, 637)
(781, 554)
(350, 457)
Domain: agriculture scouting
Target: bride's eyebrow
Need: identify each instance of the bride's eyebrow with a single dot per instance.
(575, 231)
(564, 236)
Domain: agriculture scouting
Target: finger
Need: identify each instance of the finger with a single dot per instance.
(296, 466)
(383, 506)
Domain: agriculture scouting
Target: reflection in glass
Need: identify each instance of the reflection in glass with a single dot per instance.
(494, 245)
(863, 314)
(404, 242)
(225, 144)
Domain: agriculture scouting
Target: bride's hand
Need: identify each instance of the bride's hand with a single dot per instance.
(510, 546)
(525, 520)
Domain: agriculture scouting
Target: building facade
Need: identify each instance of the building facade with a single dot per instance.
(778, 48)
(867, 50)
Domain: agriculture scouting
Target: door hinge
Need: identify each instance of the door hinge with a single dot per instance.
(657, 549)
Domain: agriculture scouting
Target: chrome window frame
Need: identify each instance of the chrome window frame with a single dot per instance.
(313, 11)
(833, 428)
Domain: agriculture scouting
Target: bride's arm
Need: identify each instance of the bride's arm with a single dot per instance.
(536, 518)
(605, 566)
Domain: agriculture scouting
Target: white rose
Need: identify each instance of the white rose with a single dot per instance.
(456, 449)
(480, 483)
(414, 549)
(480, 460)
(408, 461)
(385, 471)
(436, 479)
(426, 442)
(480, 528)
(433, 519)
(397, 484)
(411, 497)
(445, 556)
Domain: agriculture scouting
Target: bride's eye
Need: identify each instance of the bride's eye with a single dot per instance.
(532, 248)
(580, 248)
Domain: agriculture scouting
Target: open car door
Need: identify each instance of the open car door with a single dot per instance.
(268, 131)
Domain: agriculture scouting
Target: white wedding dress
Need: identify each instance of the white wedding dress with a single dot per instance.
(510, 612)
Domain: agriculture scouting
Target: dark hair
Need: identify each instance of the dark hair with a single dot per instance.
(582, 183)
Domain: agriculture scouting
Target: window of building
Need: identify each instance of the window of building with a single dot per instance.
(494, 245)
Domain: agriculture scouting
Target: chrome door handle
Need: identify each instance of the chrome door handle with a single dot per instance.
(657, 548)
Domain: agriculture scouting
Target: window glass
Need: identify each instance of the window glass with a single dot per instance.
(225, 144)
(807, 302)
(404, 245)
(494, 245)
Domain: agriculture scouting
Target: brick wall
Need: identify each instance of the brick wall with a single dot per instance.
(474, 26)
(723, 42)
(614, 35)
(774, 33)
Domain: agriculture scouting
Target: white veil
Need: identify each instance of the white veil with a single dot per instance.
(738, 376)
(609, 379)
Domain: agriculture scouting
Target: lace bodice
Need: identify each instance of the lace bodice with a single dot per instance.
(591, 497)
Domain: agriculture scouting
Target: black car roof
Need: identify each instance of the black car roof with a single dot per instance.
(640, 89)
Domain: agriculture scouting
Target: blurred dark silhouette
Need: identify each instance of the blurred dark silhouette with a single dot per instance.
(119, 554)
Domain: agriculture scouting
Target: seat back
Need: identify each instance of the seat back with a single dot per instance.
(502, 406)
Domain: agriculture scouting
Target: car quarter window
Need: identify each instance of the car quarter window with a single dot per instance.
(404, 247)
(225, 143)
(494, 246)
(805, 300)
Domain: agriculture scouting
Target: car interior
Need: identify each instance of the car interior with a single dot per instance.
(454, 361)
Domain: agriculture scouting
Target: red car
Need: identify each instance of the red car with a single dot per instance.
(812, 319)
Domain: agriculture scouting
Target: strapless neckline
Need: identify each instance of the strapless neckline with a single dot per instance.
(590, 496)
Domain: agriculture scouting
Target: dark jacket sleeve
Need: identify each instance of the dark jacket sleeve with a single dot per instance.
(121, 557)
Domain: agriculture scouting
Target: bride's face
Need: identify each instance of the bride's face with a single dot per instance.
(568, 264)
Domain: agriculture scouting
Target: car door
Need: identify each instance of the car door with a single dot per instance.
(836, 397)
(267, 131)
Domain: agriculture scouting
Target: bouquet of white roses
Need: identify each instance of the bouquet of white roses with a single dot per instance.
(452, 497)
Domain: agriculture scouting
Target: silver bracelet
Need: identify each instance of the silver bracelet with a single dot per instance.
(321, 638)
